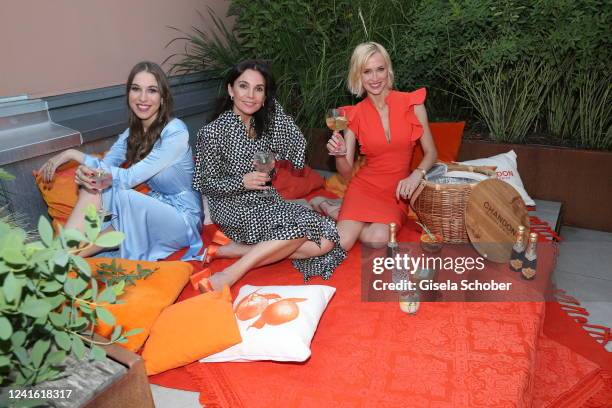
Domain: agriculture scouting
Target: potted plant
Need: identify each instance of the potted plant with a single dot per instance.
(49, 300)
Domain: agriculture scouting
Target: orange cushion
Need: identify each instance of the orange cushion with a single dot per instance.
(292, 183)
(146, 299)
(447, 138)
(190, 330)
(337, 184)
(62, 192)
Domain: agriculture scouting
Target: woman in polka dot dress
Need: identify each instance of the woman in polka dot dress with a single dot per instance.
(263, 227)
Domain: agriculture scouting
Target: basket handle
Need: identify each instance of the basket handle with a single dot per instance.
(417, 193)
(486, 170)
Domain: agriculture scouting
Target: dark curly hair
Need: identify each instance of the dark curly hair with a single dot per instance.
(140, 143)
(264, 116)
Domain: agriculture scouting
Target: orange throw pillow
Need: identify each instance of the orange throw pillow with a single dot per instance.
(190, 330)
(336, 183)
(62, 192)
(447, 138)
(144, 301)
(292, 183)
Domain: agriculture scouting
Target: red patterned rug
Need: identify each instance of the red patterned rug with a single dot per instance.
(449, 355)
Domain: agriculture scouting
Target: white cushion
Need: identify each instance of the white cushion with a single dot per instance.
(276, 322)
(507, 171)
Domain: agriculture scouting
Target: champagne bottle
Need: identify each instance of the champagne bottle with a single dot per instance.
(392, 244)
(518, 250)
(530, 262)
(409, 300)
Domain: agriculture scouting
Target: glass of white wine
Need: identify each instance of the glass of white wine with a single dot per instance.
(337, 121)
(264, 162)
(102, 180)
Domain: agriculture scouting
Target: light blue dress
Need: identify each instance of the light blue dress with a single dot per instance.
(170, 216)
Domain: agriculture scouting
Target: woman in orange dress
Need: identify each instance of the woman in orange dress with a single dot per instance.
(388, 124)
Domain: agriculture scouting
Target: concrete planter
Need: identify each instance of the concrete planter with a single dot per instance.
(580, 179)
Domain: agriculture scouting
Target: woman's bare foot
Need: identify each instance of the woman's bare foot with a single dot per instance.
(327, 206)
(315, 202)
(331, 208)
(220, 279)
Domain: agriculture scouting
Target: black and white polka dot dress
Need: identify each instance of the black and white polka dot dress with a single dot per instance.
(224, 154)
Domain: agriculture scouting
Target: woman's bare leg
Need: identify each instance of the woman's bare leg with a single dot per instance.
(375, 235)
(309, 249)
(263, 253)
(349, 232)
(233, 250)
(77, 218)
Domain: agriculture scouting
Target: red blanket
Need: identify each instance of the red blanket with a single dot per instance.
(371, 354)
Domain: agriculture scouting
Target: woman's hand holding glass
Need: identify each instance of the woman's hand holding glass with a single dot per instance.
(85, 177)
(336, 146)
(256, 180)
(264, 162)
(336, 120)
(94, 180)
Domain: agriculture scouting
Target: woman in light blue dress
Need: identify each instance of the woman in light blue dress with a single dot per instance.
(156, 150)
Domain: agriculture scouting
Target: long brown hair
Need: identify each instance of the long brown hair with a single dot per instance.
(140, 143)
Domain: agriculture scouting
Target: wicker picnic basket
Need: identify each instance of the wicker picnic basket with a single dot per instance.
(440, 203)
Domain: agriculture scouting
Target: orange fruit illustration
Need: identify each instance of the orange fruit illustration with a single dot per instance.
(253, 304)
(280, 312)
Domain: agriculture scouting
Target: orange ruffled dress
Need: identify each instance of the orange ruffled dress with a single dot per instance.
(370, 196)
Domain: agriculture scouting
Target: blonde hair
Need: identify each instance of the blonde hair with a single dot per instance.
(362, 53)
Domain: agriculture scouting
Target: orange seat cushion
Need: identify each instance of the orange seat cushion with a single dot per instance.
(190, 330)
(146, 299)
(292, 183)
(447, 138)
(337, 184)
(62, 192)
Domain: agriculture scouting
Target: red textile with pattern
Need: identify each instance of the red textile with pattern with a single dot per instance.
(371, 354)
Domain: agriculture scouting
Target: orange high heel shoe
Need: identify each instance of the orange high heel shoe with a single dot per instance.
(199, 276)
(209, 253)
(204, 286)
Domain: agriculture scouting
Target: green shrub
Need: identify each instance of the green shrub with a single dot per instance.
(49, 302)
(310, 43)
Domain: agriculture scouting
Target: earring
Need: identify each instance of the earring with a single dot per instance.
(232, 97)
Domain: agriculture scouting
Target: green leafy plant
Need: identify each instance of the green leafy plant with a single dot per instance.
(507, 99)
(49, 301)
(427, 231)
(500, 46)
(214, 52)
(594, 108)
(112, 274)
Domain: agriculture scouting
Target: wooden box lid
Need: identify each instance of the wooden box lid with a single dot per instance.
(492, 215)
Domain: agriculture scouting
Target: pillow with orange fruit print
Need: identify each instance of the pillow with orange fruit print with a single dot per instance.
(276, 322)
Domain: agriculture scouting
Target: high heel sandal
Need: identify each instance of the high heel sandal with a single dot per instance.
(197, 277)
(209, 253)
(205, 286)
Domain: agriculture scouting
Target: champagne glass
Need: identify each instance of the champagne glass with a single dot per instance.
(264, 162)
(102, 179)
(337, 121)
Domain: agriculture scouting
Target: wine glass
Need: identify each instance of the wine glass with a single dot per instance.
(337, 121)
(102, 179)
(264, 162)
